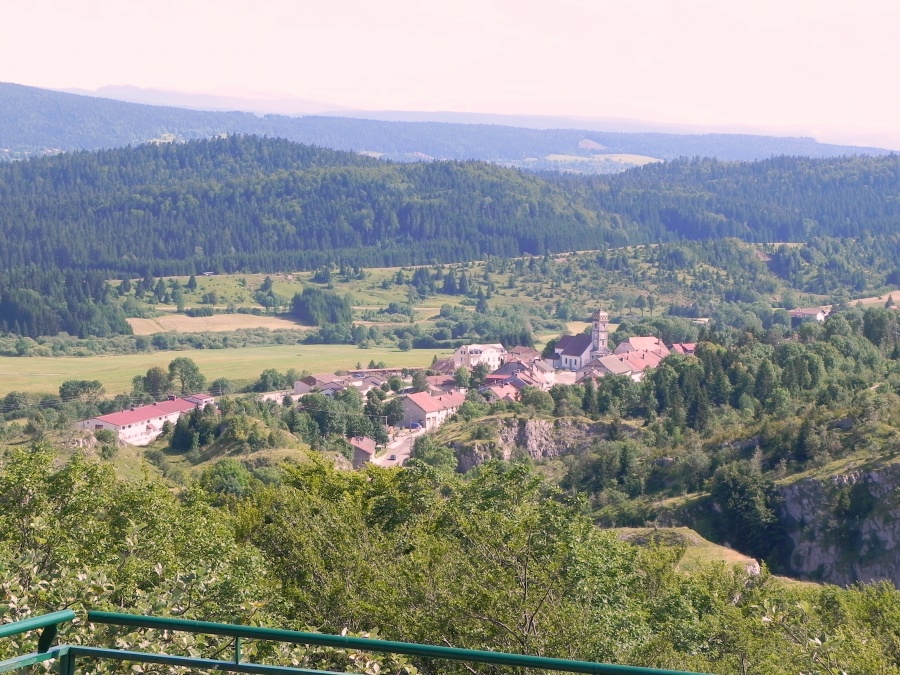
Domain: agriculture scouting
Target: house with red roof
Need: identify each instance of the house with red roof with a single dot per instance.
(802, 314)
(603, 366)
(430, 411)
(641, 361)
(530, 378)
(363, 450)
(141, 425)
(441, 384)
(524, 354)
(642, 344)
(687, 348)
(444, 366)
(501, 392)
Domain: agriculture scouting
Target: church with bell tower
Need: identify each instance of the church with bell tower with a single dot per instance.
(572, 352)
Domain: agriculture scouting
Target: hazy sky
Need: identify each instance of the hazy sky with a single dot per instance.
(824, 67)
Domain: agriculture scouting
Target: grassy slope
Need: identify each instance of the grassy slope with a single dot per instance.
(698, 552)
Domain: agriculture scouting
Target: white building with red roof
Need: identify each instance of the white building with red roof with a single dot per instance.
(141, 425)
(808, 314)
(430, 411)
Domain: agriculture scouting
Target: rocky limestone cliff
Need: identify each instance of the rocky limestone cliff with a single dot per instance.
(845, 528)
(539, 439)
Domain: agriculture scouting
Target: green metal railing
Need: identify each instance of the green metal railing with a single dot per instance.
(67, 654)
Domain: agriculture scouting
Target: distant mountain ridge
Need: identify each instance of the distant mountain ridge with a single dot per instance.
(38, 121)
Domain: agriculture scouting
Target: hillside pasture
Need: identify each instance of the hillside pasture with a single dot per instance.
(878, 299)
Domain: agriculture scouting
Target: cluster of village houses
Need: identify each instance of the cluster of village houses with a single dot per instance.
(576, 358)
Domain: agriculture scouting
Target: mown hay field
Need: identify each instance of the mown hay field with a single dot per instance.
(181, 323)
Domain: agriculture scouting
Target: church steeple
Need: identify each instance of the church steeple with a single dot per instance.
(599, 332)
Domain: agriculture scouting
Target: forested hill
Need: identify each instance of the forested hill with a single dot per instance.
(37, 121)
(780, 199)
(247, 203)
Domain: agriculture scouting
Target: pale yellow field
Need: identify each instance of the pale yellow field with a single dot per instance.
(45, 374)
(878, 300)
(180, 323)
(576, 327)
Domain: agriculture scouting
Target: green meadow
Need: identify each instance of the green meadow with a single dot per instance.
(45, 374)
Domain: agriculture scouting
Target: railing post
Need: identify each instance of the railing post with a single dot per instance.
(237, 649)
(67, 664)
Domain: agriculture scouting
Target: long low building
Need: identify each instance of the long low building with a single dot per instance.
(430, 411)
(142, 425)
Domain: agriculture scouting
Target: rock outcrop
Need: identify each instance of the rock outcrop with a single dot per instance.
(845, 528)
(537, 438)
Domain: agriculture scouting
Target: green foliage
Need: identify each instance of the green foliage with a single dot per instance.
(156, 383)
(353, 209)
(317, 307)
(226, 478)
(186, 376)
(84, 390)
(419, 381)
(105, 435)
(496, 560)
(747, 501)
(432, 452)
(540, 401)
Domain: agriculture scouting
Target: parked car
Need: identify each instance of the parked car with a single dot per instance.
(392, 458)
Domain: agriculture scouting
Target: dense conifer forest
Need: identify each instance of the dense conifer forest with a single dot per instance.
(779, 199)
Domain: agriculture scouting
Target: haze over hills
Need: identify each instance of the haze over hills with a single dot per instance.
(240, 100)
(267, 103)
(37, 121)
(262, 103)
